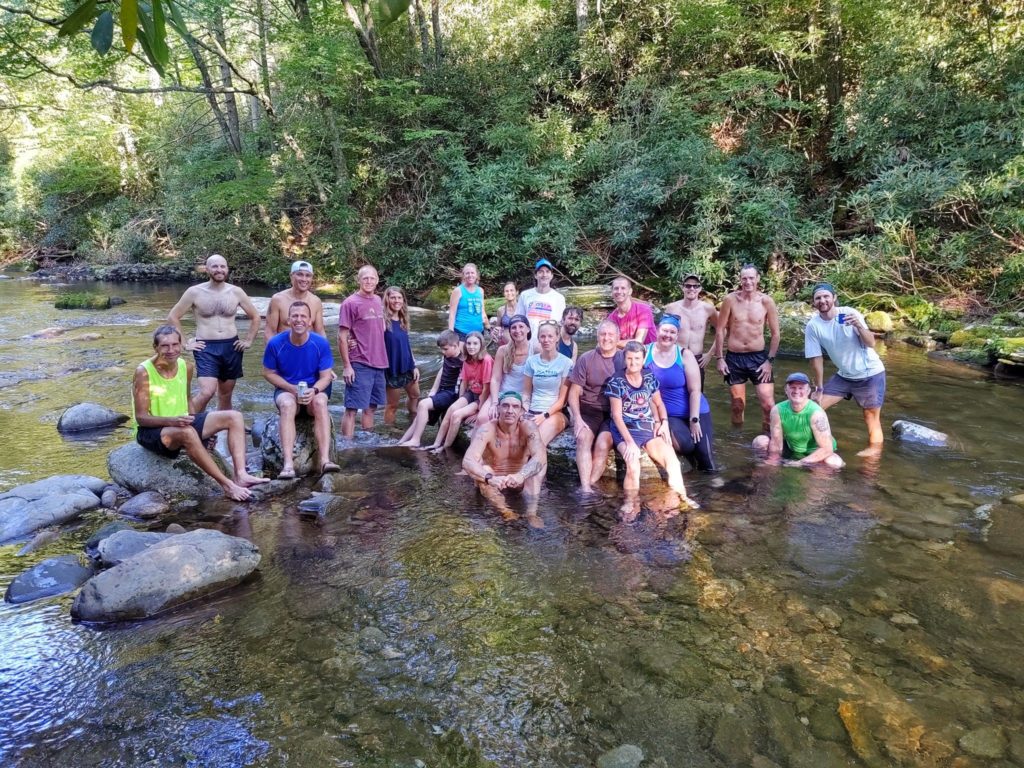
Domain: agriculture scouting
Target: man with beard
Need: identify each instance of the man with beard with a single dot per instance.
(216, 346)
(572, 318)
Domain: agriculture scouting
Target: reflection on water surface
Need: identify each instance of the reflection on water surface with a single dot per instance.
(871, 617)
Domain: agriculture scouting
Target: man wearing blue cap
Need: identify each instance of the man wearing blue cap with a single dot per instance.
(842, 333)
(543, 302)
(799, 433)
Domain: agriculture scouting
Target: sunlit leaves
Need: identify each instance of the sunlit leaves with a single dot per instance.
(390, 10)
(81, 16)
(129, 22)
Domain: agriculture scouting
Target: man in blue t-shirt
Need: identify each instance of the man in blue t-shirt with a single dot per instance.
(295, 357)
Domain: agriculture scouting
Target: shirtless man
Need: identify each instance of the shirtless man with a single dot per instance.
(508, 454)
(302, 281)
(742, 317)
(167, 420)
(216, 346)
(695, 315)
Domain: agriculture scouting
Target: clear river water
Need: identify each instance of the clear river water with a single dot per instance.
(868, 617)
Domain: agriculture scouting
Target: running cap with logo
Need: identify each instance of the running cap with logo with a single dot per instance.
(668, 319)
(797, 377)
(525, 321)
(823, 287)
(510, 393)
(301, 266)
(692, 276)
(543, 263)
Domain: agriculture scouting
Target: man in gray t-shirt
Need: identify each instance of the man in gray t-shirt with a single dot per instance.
(842, 333)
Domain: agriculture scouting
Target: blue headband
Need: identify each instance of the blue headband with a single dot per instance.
(823, 287)
(669, 320)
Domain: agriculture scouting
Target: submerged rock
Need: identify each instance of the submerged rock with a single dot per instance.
(168, 574)
(989, 741)
(87, 416)
(879, 322)
(39, 541)
(50, 577)
(146, 505)
(307, 460)
(138, 470)
(910, 432)
(626, 756)
(104, 532)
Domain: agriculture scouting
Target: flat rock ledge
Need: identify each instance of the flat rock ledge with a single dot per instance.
(85, 417)
(56, 500)
(166, 575)
(138, 470)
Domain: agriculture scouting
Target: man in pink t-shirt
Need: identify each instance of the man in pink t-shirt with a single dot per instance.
(634, 318)
(363, 354)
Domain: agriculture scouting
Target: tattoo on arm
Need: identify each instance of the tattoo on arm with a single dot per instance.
(531, 468)
(820, 423)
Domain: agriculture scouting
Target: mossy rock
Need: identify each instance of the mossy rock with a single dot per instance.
(83, 301)
(1012, 349)
(879, 322)
(961, 338)
(969, 356)
(437, 297)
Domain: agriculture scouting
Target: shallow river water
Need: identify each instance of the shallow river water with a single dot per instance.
(870, 617)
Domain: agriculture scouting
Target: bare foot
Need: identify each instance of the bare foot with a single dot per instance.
(424, 448)
(534, 520)
(236, 492)
(436, 449)
(871, 451)
(286, 473)
(508, 514)
(246, 480)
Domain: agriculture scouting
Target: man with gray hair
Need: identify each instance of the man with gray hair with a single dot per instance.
(216, 346)
(589, 405)
(842, 333)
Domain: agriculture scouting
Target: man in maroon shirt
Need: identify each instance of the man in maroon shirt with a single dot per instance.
(363, 355)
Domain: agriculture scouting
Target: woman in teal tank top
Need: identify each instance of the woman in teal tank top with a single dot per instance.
(466, 306)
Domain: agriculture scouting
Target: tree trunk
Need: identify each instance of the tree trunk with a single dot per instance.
(582, 15)
(230, 105)
(435, 18)
(366, 42)
(421, 22)
(211, 97)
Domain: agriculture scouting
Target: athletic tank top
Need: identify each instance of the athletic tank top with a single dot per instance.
(796, 429)
(469, 313)
(513, 380)
(167, 397)
(674, 392)
(564, 349)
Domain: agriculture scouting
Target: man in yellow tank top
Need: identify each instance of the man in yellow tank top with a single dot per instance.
(165, 424)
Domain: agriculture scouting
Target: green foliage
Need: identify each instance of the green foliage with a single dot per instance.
(82, 301)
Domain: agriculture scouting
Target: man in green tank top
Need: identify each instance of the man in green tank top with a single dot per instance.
(162, 413)
(800, 433)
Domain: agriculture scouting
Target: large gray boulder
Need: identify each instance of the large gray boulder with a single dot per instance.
(168, 574)
(122, 545)
(20, 517)
(50, 577)
(307, 460)
(54, 485)
(910, 432)
(87, 416)
(138, 470)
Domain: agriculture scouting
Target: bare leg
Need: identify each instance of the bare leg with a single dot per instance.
(497, 499)
(321, 427)
(766, 397)
(188, 439)
(411, 438)
(367, 421)
(391, 406)
(233, 422)
(412, 390)
(873, 421)
(287, 408)
(224, 391)
(738, 395)
(442, 430)
(458, 419)
(632, 480)
(348, 423)
(552, 427)
(661, 453)
(602, 447)
(584, 458)
(207, 389)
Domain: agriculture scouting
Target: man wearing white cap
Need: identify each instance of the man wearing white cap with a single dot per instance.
(302, 281)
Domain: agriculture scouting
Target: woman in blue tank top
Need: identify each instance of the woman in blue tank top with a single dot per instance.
(678, 374)
(466, 306)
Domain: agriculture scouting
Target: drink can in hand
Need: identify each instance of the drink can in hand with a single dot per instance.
(841, 318)
(302, 387)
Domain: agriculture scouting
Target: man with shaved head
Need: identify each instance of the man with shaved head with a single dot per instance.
(216, 346)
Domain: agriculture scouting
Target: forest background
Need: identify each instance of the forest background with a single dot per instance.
(875, 143)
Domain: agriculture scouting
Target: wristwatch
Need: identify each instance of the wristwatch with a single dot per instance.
(316, 391)
(487, 478)
(771, 359)
(695, 419)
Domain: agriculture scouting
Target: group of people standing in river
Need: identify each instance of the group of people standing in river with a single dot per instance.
(640, 390)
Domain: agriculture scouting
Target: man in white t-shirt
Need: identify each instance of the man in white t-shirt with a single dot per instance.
(543, 302)
(842, 333)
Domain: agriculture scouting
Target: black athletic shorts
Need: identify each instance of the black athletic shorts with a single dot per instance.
(442, 400)
(149, 437)
(219, 360)
(743, 367)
